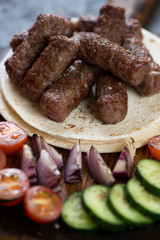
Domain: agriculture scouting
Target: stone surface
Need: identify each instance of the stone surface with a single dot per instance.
(18, 15)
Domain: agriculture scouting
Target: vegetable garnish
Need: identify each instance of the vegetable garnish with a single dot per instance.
(124, 165)
(12, 138)
(28, 164)
(73, 168)
(39, 143)
(13, 185)
(154, 147)
(3, 159)
(98, 169)
(47, 171)
(42, 204)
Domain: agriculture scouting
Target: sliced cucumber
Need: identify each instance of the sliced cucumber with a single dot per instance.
(120, 205)
(146, 202)
(148, 172)
(75, 216)
(95, 201)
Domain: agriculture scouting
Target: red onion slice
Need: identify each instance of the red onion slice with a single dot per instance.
(47, 171)
(98, 169)
(39, 143)
(28, 164)
(124, 165)
(73, 168)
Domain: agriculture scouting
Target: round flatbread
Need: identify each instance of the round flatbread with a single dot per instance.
(142, 120)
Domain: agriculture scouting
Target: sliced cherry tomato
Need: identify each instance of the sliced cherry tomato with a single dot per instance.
(13, 185)
(42, 205)
(3, 159)
(154, 147)
(12, 138)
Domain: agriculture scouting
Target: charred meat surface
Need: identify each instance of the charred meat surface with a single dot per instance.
(133, 42)
(111, 23)
(111, 98)
(52, 62)
(29, 50)
(132, 31)
(86, 23)
(18, 39)
(110, 56)
(68, 91)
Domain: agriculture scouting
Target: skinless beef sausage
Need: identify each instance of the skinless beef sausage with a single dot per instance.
(111, 98)
(48, 67)
(111, 94)
(18, 38)
(68, 91)
(29, 50)
(133, 42)
(110, 56)
(86, 23)
(111, 23)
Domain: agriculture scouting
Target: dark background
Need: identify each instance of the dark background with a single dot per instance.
(18, 15)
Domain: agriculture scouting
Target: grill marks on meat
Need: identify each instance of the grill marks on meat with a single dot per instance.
(68, 91)
(29, 50)
(111, 23)
(111, 98)
(110, 56)
(133, 42)
(48, 67)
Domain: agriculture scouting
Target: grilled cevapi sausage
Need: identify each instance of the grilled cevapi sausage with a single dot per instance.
(111, 98)
(111, 23)
(86, 23)
(18, 39)
(133, 42)
(110, 56)
(68, 91)
(111, 94)
(29, 50)
(52, 62)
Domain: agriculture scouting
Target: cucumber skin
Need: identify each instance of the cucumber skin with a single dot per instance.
(149, 187)
(117, 214)
(128, 222)
(102, 224)
(140, 208)
(78, 229)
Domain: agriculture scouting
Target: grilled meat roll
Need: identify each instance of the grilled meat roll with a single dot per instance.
(68, 91)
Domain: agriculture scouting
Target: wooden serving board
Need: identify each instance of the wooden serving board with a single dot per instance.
(14, 225)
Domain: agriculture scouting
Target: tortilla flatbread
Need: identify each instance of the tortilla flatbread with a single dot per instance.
(141, 122)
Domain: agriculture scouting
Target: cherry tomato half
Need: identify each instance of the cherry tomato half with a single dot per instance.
(42, 205)
(154, 147)
(12, 138)
(3, 159)
(13, 185)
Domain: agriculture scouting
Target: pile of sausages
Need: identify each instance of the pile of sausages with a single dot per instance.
(57, 61)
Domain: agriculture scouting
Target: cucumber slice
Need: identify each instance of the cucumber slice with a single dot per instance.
(146, 202)
(120, 205)
(148, 173)
(74, 215)
(95, 201)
